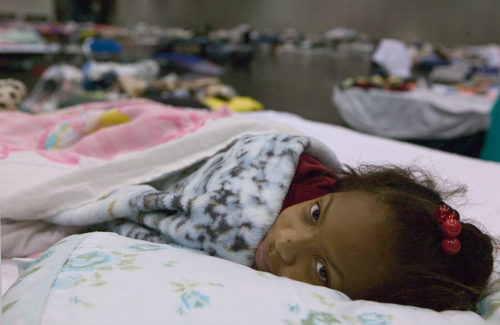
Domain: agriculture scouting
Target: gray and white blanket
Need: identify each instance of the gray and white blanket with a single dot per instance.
(217, 189)
(223, 205)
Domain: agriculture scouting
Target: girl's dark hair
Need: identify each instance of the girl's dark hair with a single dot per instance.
(424, 276)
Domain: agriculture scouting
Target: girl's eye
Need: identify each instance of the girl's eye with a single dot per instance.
(315, 212)
(322, 272)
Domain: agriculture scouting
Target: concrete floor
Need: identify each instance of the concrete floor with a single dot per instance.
(300, 83)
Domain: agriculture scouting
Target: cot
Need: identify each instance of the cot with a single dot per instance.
(104, 278)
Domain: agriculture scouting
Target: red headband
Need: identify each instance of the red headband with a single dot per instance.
(449, 219)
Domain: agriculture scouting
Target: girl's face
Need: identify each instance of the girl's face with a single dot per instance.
(334, 241)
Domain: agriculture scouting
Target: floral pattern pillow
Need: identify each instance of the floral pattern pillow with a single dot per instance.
(103, 278)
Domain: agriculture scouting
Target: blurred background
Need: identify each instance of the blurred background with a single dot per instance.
(423, 71)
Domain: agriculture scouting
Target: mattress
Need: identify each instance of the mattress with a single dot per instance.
(422, 114)
(109, 279)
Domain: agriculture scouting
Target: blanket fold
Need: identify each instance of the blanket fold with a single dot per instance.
(217, 190)
(224, 207)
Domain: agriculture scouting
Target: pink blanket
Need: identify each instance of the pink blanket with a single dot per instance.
(100, 130)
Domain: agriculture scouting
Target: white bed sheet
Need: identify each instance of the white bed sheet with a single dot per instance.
(418, 114)
(9, 273)
(482, 178)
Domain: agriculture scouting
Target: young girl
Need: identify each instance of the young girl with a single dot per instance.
(382, 234)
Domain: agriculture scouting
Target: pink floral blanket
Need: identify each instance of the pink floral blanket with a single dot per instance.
(101, 130)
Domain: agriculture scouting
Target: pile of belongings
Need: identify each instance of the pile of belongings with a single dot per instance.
(12, 92)
(376, 81)
(66, 85)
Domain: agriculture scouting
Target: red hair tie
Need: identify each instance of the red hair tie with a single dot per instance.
(449, 219)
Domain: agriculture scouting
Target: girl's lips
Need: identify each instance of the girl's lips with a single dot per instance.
(260, 257)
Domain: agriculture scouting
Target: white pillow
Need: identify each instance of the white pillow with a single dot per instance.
(104, 278)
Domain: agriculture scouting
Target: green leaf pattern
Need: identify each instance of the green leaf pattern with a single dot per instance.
(8, 306)
(304, 316)
(191, 296)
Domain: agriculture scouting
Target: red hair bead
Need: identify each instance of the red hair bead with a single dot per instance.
(451, 245)
(449, 218)
(451, 228)
(443, 212)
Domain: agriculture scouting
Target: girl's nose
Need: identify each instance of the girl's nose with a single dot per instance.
(291, 245)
